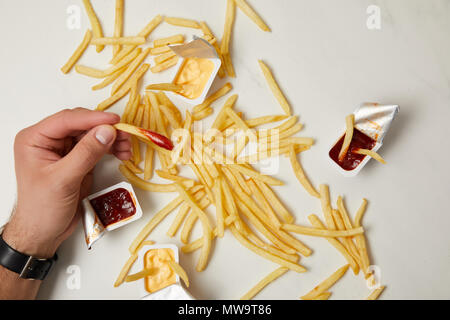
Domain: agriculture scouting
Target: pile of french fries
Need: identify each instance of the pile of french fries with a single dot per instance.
(244, 201)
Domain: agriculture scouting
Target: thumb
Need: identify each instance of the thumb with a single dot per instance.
(88, 151)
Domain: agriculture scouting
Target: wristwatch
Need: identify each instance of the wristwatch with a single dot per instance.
(27, 267)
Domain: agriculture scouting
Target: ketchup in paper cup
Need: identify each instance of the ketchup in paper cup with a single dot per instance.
(372, 121)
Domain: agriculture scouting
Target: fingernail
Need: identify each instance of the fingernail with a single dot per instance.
(105, 134)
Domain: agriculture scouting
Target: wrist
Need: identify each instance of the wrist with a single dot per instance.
(26, 241)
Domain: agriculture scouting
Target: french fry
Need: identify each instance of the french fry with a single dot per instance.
(249, 12)
(125, 269)
(118, 41)
(376, 293)
(326, 207)
(264, 282)
(280, 261)
(227, 30)
(213, 97)
(131, 68)
(78, 52)
(181, 22)
(299, 173)
(110, 79)
(323, 296)
(279, 208)
(90, 72)
(218, 196)
(322, 232)
(157, 218)
(191, 219)
(143, 33)
(316, 223)
(124, 89)
(371, 154)
(207, 230)
(164, 65)
(326, 284)
(350, 123)
(273, 85)
(145, 185)
(165, 56)
(164, 86)
(160, 50)
(178, 38)
(132, 167)
(95, 23)
(164, 100)
(118, 24)
(256, 175)
(179, 271)
(140, 275)
(360, 212)
(228, 65)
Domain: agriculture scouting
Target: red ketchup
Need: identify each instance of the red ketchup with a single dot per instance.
(351, 159)
(158, 139)
(114, 206)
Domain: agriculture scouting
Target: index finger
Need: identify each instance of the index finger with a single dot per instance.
(69, 121)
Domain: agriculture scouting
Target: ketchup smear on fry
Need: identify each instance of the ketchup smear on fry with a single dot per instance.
(158, 139)
(351, 159)
(114, 206)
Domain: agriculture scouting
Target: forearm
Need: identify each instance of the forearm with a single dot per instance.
(13, 287)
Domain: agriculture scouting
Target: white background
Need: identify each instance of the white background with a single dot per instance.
(327, 62)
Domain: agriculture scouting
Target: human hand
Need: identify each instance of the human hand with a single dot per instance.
(54, 160)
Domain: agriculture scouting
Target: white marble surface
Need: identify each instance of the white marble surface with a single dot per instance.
(328, 62)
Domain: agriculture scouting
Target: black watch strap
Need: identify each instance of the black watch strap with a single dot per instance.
(27, 267)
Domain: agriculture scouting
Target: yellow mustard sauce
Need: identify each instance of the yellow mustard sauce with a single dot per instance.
(193, 76)
(162, 275)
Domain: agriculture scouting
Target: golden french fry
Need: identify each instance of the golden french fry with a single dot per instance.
(229, 21)
(178, 38)
(326, 206)
(78, 52)
(273, 85)
(264, 283)
(323, 296)
(124, 89)
(165, 87)
(118, 41)
(213, 97)
(335, 243)
(125, 269)
(110, 79)
(299, 173)
(178, 269)
(228, 65)
(376, 293)
(371, 154)
(90, 72)
(163, 57)
(322, 232)
(140, 275)
(282, 262)
(165, 65)
(160, 50)
(326, 284)
(131, 68)
(350, 123)
(243, 5)
(118, 24)
(145, 185)
(95, 23)
(181, 22)
(143, 33)
(132, 167)
(156, 219)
